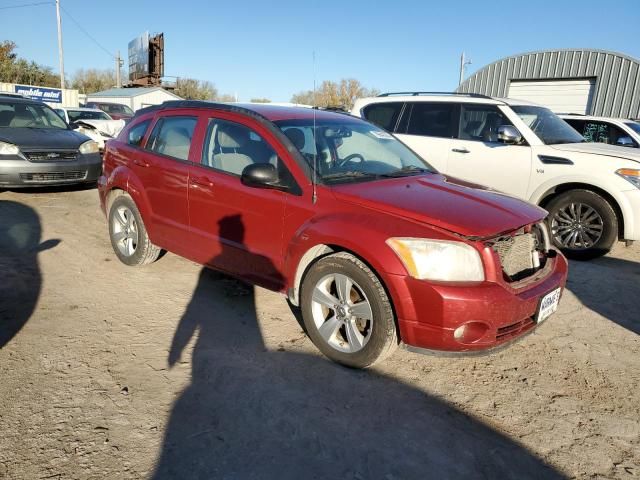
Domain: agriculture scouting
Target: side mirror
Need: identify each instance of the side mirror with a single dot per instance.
(509, 134)
(625, 142)
(74, 126)
(261, 175)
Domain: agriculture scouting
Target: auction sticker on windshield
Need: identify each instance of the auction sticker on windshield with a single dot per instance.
(548, 305)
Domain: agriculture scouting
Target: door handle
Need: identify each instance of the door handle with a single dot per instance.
(460, 150)
(140, 163)
(201, 182)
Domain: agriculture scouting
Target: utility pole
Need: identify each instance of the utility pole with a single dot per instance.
(463, 62)
(118, 65)
(60, 52)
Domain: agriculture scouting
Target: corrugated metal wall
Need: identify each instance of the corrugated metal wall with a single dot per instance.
(138, 101)
(617, 77)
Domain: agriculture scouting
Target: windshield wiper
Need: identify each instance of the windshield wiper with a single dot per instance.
(405, 171)
(349, 174)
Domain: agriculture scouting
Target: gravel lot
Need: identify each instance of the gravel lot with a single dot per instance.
(169, 371)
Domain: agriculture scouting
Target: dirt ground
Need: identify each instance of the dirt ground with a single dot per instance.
(169, 371)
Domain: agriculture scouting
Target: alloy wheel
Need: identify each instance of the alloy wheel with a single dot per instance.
(577, 226)
(342, 313)
(125, 231)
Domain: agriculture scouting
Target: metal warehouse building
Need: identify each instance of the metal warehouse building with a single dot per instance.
(592, 82)
(136, 98)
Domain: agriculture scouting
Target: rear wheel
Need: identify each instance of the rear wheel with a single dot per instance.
(346, 311)
(582, 224)
(128, 234)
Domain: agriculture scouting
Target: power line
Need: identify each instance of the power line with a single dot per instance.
(86, 33)
(26, 5)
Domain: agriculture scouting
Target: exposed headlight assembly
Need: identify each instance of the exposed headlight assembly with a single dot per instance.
(89, 147)
(441, 260)
(631, 175)
(9, 149)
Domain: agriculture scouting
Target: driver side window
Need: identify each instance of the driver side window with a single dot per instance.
(480, 123)
(230, 147)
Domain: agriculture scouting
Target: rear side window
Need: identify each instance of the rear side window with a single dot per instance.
(480, 123)
(136, 134)
(385, 115)
(432, 119)
(172, 136)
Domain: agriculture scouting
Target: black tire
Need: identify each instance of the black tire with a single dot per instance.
(382, 338)
(144, 252)
(607, 224)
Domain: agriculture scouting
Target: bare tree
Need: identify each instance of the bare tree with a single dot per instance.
(93, 80)
(335, 94)
(260, 100)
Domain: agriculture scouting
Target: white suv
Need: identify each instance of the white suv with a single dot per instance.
(591, 190)
(614, 131)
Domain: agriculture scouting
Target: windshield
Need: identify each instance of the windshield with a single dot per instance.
(28, 115)
(635, 126)
(549, 128)
(347, 150)
(75, 115)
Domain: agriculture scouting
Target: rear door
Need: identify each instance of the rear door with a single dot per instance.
(477, 155)
(163, 168)
(428, 129)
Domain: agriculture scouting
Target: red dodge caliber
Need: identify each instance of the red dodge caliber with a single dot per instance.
(373, 244)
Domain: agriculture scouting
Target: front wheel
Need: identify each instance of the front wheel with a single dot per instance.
(582, 224)
(346, 311)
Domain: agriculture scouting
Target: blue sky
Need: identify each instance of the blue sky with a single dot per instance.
(265, 48)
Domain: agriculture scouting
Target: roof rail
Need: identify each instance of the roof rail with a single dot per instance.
(415, 94)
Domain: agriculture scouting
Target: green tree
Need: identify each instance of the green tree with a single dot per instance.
(335, 94)
(18, 70)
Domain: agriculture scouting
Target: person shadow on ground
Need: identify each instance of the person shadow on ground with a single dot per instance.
(20, 278)
(253, 413)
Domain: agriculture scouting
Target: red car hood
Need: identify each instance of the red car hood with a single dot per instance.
(444, 202)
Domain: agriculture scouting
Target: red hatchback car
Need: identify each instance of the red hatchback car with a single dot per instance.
(372, 243)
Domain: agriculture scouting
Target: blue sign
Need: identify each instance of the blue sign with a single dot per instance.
(53, 95)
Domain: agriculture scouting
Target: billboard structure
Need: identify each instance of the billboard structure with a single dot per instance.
(146, 60)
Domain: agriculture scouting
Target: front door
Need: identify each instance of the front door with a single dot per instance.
(236, 228)
(477, 156)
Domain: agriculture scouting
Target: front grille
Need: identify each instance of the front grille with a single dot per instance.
(514, 329)
(54, 176)
(516, 253)
(51, 156)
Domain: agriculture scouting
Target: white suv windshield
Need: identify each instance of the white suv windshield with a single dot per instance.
(549, 128)
(635, 126)
(343, 151)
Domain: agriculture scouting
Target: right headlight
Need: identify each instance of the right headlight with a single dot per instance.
(631, 175)
(441, 260)
(9, 149)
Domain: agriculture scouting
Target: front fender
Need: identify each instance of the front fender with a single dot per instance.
(363, 235)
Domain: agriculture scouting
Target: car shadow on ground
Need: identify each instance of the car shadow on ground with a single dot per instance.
(253, 413)
(20, 279)
(73, 187)
(607, 285)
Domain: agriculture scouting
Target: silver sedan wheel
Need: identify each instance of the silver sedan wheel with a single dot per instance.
(577, 226)
(125, 231)
(342, 313)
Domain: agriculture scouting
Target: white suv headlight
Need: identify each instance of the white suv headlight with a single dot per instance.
(9, 149)
(441, 260)
(89, 147)
(631, 175)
